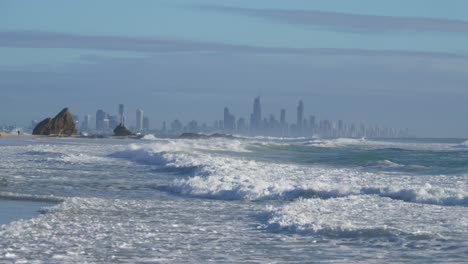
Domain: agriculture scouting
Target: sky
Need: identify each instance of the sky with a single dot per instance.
(399, 63)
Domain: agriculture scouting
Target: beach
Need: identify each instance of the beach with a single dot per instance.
(7, 135)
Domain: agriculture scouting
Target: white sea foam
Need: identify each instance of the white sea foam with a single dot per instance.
(30, 197)
(382, 144)
(96, 230)
(366, 216)
(426, 194)
(149, 137)
(226, 177)
(338, 142)
(57, 153)
(462, 145)
(387, 163)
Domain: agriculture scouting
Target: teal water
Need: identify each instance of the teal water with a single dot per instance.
(258, 200)
(436, 156)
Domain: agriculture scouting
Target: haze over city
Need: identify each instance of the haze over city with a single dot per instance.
(394, 64)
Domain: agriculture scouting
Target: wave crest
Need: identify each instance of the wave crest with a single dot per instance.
(216, 176)
(359, 216)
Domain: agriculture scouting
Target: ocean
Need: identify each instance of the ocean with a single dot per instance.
(243, 200)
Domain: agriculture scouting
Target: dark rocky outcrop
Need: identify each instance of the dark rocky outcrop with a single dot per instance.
(62, 125)
(122, 131)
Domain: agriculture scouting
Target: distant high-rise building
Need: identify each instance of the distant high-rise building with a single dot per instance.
(121, 109)
(114, 121)
(229, 121)
(283, 117)
(105, 124)
(312, 122)
(273, 124)
(145, 124)
(176, 126)
(86, 125)
(241, 125)
(192, 127)
(121, 114)
(256, 116)
(139, 120)
(100, 116)
(300, 115)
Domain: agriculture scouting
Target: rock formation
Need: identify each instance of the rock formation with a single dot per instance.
(122, 131)
(62, 124)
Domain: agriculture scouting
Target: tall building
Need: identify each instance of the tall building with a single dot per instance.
(139, 120)
(300, 115)
(100, 116)
(241, 125)
(312, 122)
(256, 116)
(283, 117)
(145, 124)
(229, 121)
(86, 125)
(114, 121)
(192, 127)
(121, 114)
(106, 124)
(340, 128)
(176, 126)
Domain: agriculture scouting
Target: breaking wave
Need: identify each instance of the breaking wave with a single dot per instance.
(215, 176)
(361, 216)
(29, 197)
(462, 145)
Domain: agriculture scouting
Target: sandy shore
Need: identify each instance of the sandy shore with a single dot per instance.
(7, 135)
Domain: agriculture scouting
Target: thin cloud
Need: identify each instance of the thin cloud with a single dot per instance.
(51, 40)
(348, 22)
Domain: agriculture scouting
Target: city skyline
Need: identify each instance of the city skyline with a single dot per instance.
(306, 124)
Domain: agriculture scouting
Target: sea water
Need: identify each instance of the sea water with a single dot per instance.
(236, 200)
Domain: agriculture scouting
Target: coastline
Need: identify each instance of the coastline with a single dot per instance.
(7, 135)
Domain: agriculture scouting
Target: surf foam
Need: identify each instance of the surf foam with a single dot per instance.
(362, 216)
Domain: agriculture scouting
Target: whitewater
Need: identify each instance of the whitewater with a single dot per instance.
(247, 199)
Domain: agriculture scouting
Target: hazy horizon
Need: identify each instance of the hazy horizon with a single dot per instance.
(398, 64)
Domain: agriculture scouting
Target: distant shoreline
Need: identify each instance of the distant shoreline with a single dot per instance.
(7, 135)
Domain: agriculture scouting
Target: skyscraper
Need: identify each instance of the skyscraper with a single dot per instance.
(100, 116)
(256, 116)
(229, 121)
(241, 125)
(139, 120)
(300, 114)
(86, 125)
(145, 124)
(283, 117)
(121, 114)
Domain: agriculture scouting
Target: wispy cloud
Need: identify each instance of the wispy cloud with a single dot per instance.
(51, 40)
(348, 22)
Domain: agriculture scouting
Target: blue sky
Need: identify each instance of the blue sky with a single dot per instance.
(396, 63)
